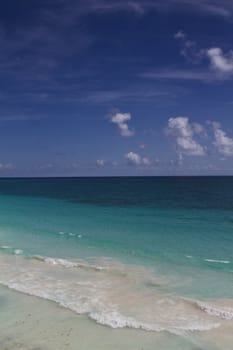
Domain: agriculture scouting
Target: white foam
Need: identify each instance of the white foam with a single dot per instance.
(61, 262)
(18, 251)
(224, 313)
(114, 320)
(71, 234)
(113, 299)
(218, 261)
(110, 317)
(5, 247)
(67, 263)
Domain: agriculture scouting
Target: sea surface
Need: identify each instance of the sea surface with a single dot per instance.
(116, 263)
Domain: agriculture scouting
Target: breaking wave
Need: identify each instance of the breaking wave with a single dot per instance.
(111, 293)
(66, 263)
(223, 312)
(218, 261)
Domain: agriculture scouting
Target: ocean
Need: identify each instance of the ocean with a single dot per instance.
(116, 263)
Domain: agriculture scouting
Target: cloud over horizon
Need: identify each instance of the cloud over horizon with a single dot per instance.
(135, 159)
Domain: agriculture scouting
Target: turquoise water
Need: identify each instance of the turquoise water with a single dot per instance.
(171, 237)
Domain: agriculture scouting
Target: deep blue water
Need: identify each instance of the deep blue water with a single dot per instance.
(159, 192)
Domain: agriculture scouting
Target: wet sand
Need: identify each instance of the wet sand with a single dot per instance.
(29, 323)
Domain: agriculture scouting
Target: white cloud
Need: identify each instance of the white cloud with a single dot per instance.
(100, 163)
(145, 161)
(219, 67)
(183, 133)
(222, 63)
(180, 35)
(223, 143)
(135, 159)
(6, 166)
(121, 119)
(198, 128)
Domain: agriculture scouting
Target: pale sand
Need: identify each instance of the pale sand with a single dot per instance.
(29, 323)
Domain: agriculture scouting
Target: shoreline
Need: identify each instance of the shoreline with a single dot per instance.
(36, 324)
(30, 323)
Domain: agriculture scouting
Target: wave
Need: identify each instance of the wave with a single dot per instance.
(225, 313)
(213, 261)
(18, 252)
(66, 263)
(119, 297)
(116, 320)
(9, 249)
(71, 234)
(53, 261)
(218, 261)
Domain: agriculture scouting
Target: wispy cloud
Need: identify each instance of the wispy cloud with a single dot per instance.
(6, 166)
(223, 8)
(38, 51)
(59, 32)
(179, 74)
(189, 48)
(130, 94)
(220, 65)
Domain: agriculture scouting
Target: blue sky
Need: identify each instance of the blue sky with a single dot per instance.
(116, 87)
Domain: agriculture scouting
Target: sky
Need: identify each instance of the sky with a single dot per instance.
(116, 87)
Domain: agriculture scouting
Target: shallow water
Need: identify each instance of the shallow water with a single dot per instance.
(130, 267)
